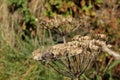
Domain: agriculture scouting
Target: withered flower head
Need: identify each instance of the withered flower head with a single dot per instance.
(72, 58)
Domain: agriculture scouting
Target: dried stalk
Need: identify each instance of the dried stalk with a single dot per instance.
(111, 52)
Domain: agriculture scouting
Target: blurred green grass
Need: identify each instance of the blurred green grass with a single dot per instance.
(16, 62)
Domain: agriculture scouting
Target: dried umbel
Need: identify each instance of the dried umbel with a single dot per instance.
(73, 58)
(65, 25)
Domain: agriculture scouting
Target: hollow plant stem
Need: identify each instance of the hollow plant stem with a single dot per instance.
(64, 39)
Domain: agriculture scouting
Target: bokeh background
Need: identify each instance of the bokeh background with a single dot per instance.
(24, 28)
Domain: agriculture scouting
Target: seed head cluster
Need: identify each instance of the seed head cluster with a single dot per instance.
(72, 58)
(78, 45)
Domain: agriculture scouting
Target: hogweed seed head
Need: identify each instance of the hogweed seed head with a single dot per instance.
(72, 58)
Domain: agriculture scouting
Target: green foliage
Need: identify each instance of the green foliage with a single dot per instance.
(58, 7)
(99, 1)
(17, 62)
(18, 2)
(113, 64)
(67, 7)
(22, 7)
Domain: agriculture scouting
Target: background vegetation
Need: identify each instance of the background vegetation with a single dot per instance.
(21, 33)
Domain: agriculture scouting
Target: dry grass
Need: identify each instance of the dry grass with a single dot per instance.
(16, 62)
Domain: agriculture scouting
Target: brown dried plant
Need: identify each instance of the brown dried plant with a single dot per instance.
(65, 26)
(7, 23)
(73, 58)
